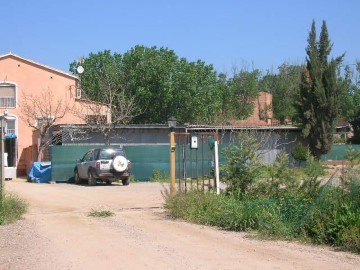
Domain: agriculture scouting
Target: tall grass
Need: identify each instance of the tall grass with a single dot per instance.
(11, 208)
(330, 217)
(281, 204)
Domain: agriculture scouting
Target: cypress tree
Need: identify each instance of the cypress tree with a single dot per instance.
(319, 104)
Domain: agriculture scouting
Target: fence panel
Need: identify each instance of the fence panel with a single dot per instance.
(144, 158)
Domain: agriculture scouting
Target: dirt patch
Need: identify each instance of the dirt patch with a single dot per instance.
(57, 233)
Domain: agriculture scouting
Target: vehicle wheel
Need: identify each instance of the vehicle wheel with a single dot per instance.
(77, 179)
(91, 179)
(126, 181)
(108, 182)
(120, 163)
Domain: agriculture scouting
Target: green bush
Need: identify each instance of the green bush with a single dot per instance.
(299, 152)
(11, 208)
(332, 218)
(243, 164)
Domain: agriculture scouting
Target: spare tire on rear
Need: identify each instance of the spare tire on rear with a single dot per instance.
(120, 163)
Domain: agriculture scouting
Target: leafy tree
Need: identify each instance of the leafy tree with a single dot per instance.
(149, 74)
(244, 88)
(284, 87)
(163, 85)
(351, 104)
(96, 67)
(166, 85)
(319, 104)
(197, 98)
(105, 89)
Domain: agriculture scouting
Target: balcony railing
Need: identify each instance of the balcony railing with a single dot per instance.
(7, 102)
(10, 131)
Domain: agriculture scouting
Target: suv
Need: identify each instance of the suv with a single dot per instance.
(107, 165)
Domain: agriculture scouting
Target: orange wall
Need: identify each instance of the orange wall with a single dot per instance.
(32, 78)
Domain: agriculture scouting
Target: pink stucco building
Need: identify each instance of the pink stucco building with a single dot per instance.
(20, 77)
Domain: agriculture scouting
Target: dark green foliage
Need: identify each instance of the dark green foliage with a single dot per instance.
(243, 162)
(244, 87)
(281, 176)
(333, 219)
(319, 103)
(300, 152)
(161, 85)
(313, 171)
(284, 87)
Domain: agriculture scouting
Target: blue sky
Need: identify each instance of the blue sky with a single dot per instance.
(228, 33)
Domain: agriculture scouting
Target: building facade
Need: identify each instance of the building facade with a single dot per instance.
(21, 78)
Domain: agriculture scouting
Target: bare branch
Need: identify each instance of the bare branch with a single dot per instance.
(41, 112)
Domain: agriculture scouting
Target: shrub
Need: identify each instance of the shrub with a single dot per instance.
(243, 164)
(313, 171)
(352, 155)
(332, 218)
(299, 152)
(11, 208)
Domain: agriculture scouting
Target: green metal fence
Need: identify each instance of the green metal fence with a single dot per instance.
(146, 158)
(338, 152)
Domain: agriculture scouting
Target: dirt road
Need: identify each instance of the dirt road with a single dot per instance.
(57, 233)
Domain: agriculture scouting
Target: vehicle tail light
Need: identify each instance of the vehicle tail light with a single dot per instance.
(129, 165)
(97, 165)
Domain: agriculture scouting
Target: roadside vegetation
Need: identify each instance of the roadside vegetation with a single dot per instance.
(100, 213)
(11, 208)
(160, 176)
(279, 201)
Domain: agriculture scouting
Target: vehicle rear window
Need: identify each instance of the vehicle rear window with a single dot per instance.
(111, 153)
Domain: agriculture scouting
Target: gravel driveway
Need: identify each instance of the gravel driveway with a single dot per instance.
(57, 233)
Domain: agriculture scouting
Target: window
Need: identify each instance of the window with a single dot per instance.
(7, 95)
(78, 92)
(110, 153)
(10, 127)
(88, 156)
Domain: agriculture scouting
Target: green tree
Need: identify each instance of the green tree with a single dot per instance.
(163, 85)
(149, 75)
(104, 82)
(244, 88)
(319, 102)
(166, 85)
(197, 98)
(351, 100)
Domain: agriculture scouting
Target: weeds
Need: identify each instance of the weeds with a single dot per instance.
(282, 203)
(100, 213)
(160, 176)
(11, 208)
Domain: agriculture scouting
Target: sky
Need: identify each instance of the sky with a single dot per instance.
(258, 34)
